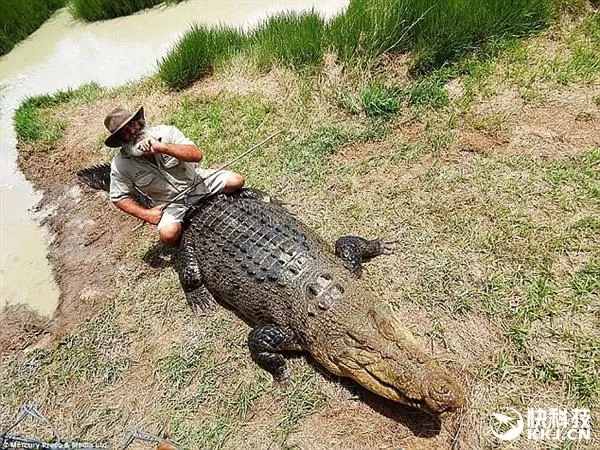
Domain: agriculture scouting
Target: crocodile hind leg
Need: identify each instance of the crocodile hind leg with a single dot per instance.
(355, 250)
(266, 342)
(190, 277)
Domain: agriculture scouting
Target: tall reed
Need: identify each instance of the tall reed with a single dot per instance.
(20, 18)
(198, 52)
(291, 39)
(437, 31)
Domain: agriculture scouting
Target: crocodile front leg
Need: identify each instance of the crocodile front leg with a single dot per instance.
(355, 250)
(266, 341)
(190, 277)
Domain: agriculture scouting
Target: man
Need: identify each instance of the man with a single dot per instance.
(159, 162)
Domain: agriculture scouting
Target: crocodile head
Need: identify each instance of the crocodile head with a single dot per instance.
(383, 356)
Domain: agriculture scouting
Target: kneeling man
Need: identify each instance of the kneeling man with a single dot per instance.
(159, 162)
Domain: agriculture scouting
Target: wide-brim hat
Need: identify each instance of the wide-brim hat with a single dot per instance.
(116, 120)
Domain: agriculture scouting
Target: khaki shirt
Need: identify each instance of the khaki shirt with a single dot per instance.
(162, 181)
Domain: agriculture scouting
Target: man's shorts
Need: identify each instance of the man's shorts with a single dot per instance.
(175, 212)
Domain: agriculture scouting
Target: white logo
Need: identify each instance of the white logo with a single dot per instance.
(543, 424)
(506, 427)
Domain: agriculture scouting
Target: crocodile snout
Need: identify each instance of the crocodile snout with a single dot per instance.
(383, 356)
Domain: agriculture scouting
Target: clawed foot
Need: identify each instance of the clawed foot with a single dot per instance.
(200, 301)
(388, 247)
(283, 378)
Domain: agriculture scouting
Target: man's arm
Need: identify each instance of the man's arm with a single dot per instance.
(129, 206)
(183, 152)
(121, 187)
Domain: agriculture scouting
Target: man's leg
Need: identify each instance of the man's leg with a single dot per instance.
(225, 181)
(234, 182)
(170, 234)
(170, 225)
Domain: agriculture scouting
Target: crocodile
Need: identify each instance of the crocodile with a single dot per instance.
(251, 254)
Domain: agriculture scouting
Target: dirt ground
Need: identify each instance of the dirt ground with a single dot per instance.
(123, 350)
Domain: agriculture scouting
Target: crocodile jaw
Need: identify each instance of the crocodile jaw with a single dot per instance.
(384, 357)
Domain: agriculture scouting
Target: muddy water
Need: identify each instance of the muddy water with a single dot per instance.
(65, 53)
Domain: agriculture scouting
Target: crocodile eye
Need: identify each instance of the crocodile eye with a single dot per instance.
(349, 340)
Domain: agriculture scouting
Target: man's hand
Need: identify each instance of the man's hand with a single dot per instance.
(151, 146)
(153, 215)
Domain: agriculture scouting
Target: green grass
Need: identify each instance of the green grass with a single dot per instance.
(20, 18)
(587, 281)
(451, 29)
(36, 124)
(428, 91)
(178, 366)
(368, 29)
(576, 62)
(198, 52)
(227, 125)
(437, 31)
(289, 39)
(93, 10)
(379, 100)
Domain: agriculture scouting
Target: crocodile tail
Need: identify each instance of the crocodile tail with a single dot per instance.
(97, 177)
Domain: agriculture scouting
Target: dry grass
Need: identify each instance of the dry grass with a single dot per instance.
(493, 200)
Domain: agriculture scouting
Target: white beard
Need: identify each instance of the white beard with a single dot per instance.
(132, 148)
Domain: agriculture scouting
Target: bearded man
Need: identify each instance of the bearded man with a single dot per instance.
(159, 162)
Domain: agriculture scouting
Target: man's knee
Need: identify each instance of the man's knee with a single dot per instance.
(170, 234)
(234, 182)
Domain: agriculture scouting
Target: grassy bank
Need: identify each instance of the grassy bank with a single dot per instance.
(20, 18)
(93, 10)
(486, 174)
(437, 32)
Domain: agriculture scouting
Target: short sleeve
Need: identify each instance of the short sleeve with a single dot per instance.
(174, 136)
(121, 186)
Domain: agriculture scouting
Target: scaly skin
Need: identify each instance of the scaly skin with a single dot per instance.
(255, 256)
(249, 252)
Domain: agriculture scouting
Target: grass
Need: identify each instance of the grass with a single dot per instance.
(452, 28)
(270, 44)
(437, 32)
(94, 10)
(379, 100)
(34, 121)
(577, 61)
(197, 53)
(20, 18)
